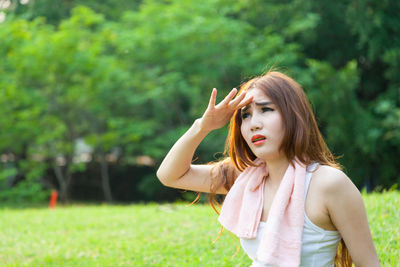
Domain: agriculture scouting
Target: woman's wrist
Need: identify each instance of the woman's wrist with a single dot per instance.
(200, 127)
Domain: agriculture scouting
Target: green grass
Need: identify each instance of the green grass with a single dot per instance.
(150, 235)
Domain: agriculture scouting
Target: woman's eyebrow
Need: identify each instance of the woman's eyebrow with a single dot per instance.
(263, 103)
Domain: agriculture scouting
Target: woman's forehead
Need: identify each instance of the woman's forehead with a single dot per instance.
(257, 95)
(259, 99)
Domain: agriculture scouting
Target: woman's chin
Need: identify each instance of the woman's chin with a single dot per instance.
(271, 156)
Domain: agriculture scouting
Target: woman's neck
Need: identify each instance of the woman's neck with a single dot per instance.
(276, 170)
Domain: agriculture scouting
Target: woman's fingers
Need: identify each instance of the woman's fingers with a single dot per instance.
(245, 102)
(229, 97)
(229, 101)
(240, 101)
(237, 100)
(211, 104)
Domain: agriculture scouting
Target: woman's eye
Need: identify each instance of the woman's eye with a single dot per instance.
(265, 109)
(245, 115)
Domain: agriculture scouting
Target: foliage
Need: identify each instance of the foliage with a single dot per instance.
(25, 192)
(132, 77)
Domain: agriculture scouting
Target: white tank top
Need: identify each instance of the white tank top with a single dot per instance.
(318, 248)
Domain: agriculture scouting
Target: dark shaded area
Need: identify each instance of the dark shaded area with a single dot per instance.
(128, 184)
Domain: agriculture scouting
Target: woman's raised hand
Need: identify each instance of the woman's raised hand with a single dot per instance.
(216, 116)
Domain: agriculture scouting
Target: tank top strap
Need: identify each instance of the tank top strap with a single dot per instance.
(310, 169)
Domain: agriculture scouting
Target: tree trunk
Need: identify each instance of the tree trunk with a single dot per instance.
(61, 181)
(64, 180)
(105, 178)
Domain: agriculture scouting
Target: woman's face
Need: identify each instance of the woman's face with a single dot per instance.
(262, 126)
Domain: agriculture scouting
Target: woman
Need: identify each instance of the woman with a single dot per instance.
(276, 152)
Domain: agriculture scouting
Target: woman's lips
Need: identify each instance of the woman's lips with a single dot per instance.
(258, 139)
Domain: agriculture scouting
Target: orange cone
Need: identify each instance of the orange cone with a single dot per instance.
(53, 199)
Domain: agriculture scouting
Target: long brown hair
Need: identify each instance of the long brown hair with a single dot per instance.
(302, 139)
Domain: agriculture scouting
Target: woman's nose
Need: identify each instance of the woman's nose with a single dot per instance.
(256, 124)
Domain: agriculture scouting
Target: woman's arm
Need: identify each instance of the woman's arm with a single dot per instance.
(176, 169)
(347, 211)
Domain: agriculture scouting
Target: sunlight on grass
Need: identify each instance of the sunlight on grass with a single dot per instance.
(152, 234)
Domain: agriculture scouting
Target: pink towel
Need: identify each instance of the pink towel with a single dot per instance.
(242, 208)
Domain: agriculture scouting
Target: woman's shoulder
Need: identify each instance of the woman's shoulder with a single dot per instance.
(329, 179)
(333, 187)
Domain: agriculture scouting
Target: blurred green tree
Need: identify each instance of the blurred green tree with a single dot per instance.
(129, 78)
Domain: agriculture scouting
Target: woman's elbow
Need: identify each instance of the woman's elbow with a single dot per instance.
(161, 177)
(168, 178)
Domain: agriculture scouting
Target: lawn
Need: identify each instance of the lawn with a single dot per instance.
(150, 235)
